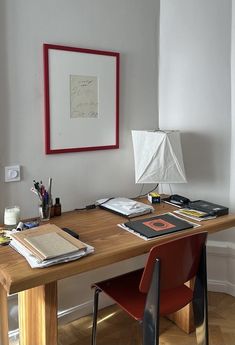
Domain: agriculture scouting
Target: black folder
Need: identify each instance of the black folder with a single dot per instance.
(159, 225)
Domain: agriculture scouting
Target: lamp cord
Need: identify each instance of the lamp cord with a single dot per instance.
(141, 191)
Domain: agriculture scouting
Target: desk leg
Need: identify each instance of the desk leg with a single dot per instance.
(38, 315)
(184, 317)
(4, 340)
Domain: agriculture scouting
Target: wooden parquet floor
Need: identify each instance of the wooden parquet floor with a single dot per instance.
(117, 328)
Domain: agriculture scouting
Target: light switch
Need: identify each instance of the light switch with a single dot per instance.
(12, 173)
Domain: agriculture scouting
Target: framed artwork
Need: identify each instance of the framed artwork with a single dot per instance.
(81, 99)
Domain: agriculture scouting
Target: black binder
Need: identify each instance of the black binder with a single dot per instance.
(208, 207)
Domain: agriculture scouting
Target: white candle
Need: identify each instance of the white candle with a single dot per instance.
(12, 215)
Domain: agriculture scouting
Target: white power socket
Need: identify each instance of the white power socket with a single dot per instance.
(12, 173)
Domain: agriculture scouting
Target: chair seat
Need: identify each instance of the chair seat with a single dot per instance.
(124, 290)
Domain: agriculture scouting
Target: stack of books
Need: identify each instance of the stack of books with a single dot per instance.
(48, 245)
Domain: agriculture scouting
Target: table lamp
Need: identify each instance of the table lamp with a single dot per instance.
(158, 157)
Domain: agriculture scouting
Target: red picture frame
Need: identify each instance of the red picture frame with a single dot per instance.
(81, 94)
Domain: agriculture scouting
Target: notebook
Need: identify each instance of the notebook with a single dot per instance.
(51, 245)
(159, 225)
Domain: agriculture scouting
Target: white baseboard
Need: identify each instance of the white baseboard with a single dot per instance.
(70, 314)
(221, 267)
(74, 313)
(218, 286)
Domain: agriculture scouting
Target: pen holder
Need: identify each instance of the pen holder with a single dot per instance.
(44, 211)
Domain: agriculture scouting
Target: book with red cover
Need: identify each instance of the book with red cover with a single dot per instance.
(158, 225)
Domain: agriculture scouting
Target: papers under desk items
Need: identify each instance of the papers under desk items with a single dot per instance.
(48, 245)
(126, 207)
(159, 225)
(37, 263)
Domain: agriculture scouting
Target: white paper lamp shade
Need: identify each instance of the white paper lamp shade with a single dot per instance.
(158, 157)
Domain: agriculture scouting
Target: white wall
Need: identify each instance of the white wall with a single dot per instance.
(195, 97)
(194, 91)
(126, 26)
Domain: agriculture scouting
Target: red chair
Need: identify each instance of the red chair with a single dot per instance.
(159, 289)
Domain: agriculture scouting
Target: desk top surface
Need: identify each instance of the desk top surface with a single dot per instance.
(98, 228)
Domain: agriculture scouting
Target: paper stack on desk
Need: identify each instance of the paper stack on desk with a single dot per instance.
(48, 245)
(126, 207)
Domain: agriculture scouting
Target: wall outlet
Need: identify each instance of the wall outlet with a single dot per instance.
(12, 173)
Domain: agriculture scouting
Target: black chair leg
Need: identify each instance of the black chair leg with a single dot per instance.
(151, 312)
(95, 314)
(200, 308)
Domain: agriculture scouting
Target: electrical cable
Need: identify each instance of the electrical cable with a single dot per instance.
(92, 206)
(141, 195)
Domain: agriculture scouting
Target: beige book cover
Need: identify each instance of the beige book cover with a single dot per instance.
(51, 245)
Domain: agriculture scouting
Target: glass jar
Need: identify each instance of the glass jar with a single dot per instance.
(11, 216)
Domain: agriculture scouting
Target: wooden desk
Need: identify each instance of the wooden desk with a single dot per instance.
(37, 288)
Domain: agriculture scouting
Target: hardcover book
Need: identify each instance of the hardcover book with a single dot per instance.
(51, 245)
(159, 225)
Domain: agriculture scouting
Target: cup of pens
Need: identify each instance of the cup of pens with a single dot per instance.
(44, 210)
(45, 199)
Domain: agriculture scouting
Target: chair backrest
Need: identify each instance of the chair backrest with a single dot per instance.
(179, 259)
